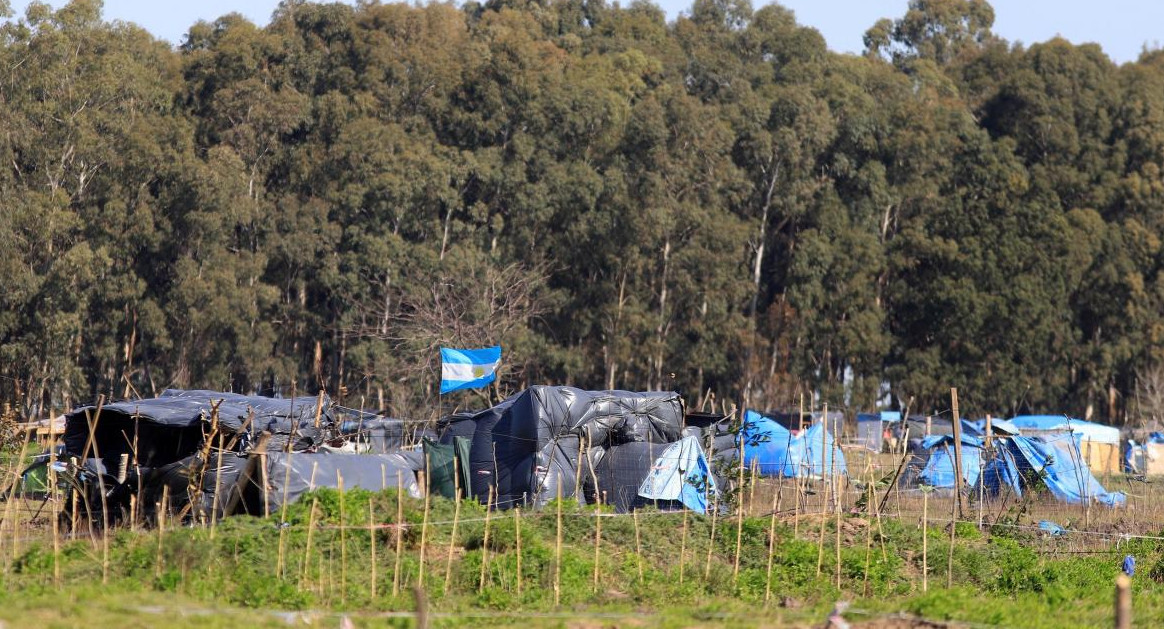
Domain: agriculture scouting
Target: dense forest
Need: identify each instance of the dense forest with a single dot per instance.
(717, 203)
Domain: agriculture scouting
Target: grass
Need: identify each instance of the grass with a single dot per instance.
(229, 577)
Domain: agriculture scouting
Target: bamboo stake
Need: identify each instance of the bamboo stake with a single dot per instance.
(835, 484)
(739, 516)
(796, 508)
(710, 546)
(456, 520)
(771, 548)
(925, 540)
(217, 488)
(399, 534)
(372, 544)
(950, 555)
(485, 540)
(683, 546)
(597, 543)
(162, 508)
(424, 522)
(339, 480)
(310, 535)
(825, 500)
(957, 425)
(578, 474)
(283, 514)
(52, 488)
(752, 476)
(871, 494)
(638, 545)
(558, 550)
(517, 534)
(838, 547)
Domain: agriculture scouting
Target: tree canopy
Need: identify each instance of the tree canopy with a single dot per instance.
(718, 203)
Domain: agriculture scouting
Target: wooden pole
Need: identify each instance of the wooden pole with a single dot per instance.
(421, 606)
(1123, 602)
(957, 423)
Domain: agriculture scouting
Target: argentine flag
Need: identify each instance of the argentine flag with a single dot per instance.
(468, 368)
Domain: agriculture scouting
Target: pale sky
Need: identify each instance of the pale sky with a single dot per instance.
(1122, 27)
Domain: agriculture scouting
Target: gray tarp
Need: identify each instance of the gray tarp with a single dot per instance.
(522, 446)
(219, 478)
(290, 475)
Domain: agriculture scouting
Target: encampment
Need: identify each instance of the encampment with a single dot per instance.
(1099, 445)
(1052, 462)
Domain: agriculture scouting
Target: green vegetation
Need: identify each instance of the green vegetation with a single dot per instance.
(256, 569)
(715, 203)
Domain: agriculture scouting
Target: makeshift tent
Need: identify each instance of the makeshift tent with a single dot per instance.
(1145, 457)
(871, 428)
(777, 452)
(619, 471)
(682, 474)
(933, 464)
(34, 480)
(447, 467)
(795, 421)
(290, 475)
(381, 435)
(526, 446)
(1099, 444)
(217, 495)
(166, 429)
(1053, 461)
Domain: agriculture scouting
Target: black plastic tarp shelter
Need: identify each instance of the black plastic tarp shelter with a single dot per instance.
(526, 446)
(169, 428)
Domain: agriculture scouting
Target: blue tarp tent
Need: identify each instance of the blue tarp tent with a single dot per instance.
(1053, 460)
(938, 470)
(777, 452)
(682, 473)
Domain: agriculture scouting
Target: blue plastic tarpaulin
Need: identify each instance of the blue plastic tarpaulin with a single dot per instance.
(1053, 460)
(939, 468)
(777, 452)
(682, 473)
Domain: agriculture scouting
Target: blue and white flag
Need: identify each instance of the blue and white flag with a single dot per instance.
(468, 368)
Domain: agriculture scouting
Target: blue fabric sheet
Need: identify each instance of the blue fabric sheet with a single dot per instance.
(1053, 459)
(777, 452)
(939, 468)
(682, 473)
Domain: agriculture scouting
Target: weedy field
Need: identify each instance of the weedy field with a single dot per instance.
(360, 555)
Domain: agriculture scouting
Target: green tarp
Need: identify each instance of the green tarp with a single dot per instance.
(445, 463)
